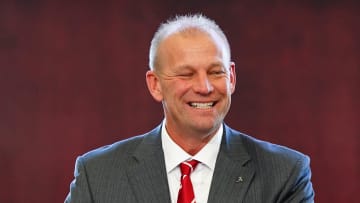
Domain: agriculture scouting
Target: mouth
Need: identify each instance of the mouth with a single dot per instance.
(202, 105)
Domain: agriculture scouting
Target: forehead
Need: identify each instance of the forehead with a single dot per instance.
(184, 46)
(188, 47)
(191, 39)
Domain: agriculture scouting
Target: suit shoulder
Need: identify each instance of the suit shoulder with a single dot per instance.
(118, 150)
(267, 152)
(282, 174)
(275, 150)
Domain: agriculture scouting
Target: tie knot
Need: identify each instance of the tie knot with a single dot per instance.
(187, 167)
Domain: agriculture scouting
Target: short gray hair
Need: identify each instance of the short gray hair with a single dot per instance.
(180, 24)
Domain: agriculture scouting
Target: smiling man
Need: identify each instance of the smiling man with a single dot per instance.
(194, 80)
(192, 156)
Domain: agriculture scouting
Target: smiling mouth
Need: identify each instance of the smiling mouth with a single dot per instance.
(199, 105)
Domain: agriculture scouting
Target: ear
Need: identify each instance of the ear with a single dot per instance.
(154, 86)
(232, 77)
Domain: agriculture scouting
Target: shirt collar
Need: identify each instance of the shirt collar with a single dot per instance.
(174, 154)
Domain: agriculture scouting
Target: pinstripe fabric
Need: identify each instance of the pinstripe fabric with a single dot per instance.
(247, 170)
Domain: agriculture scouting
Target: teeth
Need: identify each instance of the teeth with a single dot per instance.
(202, 105)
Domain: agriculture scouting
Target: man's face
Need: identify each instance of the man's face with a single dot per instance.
(193, 82)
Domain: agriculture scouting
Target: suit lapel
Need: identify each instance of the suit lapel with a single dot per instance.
(232, 176)
(233, 171)
(147, 174)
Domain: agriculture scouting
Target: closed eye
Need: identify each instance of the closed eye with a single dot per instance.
(217, 72)
(185, 74)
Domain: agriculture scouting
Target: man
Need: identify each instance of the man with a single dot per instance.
(192, 75)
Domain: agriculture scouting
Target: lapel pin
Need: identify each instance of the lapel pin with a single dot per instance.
(239, 179)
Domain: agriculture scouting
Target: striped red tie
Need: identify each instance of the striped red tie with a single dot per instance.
(186, 192)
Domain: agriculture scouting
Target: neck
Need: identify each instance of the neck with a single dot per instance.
(191, 142)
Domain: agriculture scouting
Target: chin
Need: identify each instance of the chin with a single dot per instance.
(206, 127)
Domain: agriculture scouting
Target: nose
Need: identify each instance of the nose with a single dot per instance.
(202, 84)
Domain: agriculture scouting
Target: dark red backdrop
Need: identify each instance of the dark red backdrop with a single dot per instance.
(72, 79)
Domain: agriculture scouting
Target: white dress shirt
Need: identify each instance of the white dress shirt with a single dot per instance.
(202, 175)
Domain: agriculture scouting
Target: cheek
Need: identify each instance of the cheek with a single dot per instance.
(181, 86)
(223, 86)
(175, 89)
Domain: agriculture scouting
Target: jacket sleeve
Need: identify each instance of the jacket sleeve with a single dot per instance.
(79, 187)
(298, 188)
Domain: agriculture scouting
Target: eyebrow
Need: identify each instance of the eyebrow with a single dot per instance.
(212, 65)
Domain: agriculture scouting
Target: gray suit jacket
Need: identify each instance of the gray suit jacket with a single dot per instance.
(247, 170)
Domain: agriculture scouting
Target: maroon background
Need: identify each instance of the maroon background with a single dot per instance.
(72, 79)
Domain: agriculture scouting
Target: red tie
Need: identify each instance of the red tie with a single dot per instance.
(186, 192)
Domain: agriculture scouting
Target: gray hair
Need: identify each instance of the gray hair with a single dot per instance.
(181, 24)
